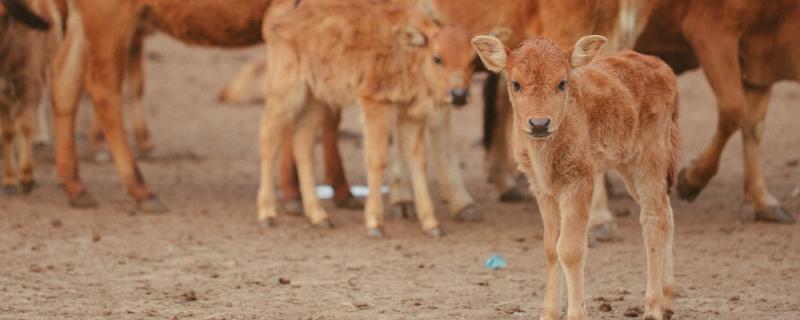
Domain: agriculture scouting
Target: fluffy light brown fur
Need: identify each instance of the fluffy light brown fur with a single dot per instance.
(618, 111)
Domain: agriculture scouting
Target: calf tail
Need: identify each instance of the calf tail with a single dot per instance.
(19, 10)
(674, 144)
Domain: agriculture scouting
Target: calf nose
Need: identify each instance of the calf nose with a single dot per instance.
(539, 126)
(459, 96)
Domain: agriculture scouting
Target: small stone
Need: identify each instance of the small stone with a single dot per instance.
(284, 281)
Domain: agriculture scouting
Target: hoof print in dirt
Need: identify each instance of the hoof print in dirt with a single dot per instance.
(83, 201)
(469, 214)
(687, 191)
(402, 210)
(774, 214)
(349, 203)
(435, 232)
(151, 205)
(376, 233)
(293, 207)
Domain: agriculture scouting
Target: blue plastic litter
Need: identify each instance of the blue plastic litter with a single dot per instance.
(496, 262)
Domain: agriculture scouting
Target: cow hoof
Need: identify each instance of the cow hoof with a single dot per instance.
(403, 209)
(668, 314)
(151, 205)
(774, 214)
(607, 232)
(27, 186)
(376, 233)
(469, 214)
(349, 203)
(435, 232)
(101, 156)
(293, 207)
(268, 222)
(10, 190)
(515, 195)
(324, 224)
(83, 201)
(687, 191)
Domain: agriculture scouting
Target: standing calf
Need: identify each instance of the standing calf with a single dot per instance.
(573, 119)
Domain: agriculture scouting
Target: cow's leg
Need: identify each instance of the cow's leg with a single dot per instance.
(574, 205)
(134, 73)
(9, 172)
(305, 130)
(601, 222)
(551, 219)
(502, 170)
(378, 122)
(97, 141)
(401, 198)
(767, 207)
(287, 177)
(334, 170)
(462, 206)
(717, 51)
(25, 123)
(106, 54)
(411, 137)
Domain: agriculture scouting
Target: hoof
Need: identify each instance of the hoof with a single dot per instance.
(515, 195)
(376, 233)
(323, 224)
(268, 222)
(685, 190)
(668, 314)
(10, 190)
(293, 207)
(101, 156)
(27, 186)
(435, 232)
(403, 209)
(774, 214)
(151, 205)
(349, 203)
(83, 201)
(469, 214)
(607, 232)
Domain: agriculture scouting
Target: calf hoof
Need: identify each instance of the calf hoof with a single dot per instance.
(349, 203)
(324, 224)
(404, 209)
(668, 314)
(10, 190)
(435, 232)
(293, 207)
(469, 214)
(376, 233)
(607, 232)
(687, 191)
(83, 201)
(515, 195)
(151, 205)
(268, 222)
(101, 156)
(774, 214)
(27, 186)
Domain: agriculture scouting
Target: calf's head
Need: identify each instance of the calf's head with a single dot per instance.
(538, 74)
(449, 64)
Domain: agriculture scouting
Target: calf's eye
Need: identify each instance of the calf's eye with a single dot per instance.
(516, 86)
(437, 59)
(562, 85)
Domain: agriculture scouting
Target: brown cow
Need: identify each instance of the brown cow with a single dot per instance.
(575, 118)
(27, 43)
(744, 47)
(386, 62)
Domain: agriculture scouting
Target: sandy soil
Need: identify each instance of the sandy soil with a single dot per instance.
(207, 258)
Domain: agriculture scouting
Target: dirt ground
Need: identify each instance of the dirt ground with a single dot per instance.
(208, 259)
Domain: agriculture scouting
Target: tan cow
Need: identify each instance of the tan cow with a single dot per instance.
(27, 43)
(575, 117)
(327, 54)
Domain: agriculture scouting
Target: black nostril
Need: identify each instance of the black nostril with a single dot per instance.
(459, 96)
(540, 126)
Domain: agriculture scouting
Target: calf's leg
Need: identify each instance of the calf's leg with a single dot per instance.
(378, 121)
(9, 172)
(334, 170)
(401, 198)
(411, 136)
(551, 220)
(574, 205)
(305, 131)
(288, 180)
(25, 123)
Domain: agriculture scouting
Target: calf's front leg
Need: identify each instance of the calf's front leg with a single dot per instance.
(411, 135)
(574, 203)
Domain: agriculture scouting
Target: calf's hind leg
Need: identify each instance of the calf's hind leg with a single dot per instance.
(411, 136)
(9, 176)
(303, 145)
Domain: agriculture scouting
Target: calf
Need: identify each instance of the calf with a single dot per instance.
(327, 54)
(26, 46)
(575, 118)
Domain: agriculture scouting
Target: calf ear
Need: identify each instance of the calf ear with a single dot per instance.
(492, 52)
(586, 49)
(413, 37)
